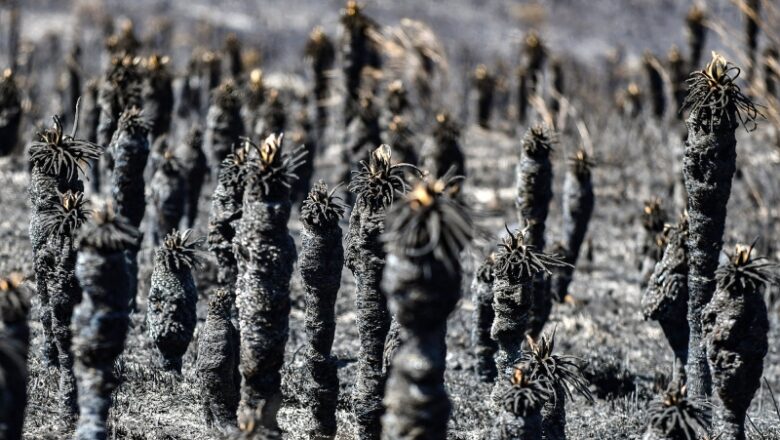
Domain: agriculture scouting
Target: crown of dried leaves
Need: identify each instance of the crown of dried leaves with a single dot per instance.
(322, 208)
(108, 231)
(269, 167)
(59, 154)
(123, 79)
(179, 252)
(525, 395)
(745, 272)
(133, 122)
(539, 140)
(378, 181)
(233, 169)
(65, 217)
(517, 260)
(447, 129)
(654, 217)
(14, 303)
(581, 164)
(227, 96)
(220, 302)
(716, 100)
(9, 92)
(353, 18)
(562, 371)
(676, 416)
(157, 66)
(695, 16)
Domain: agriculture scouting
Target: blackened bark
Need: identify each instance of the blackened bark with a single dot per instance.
(484, 346)
(485, 84)
(168, 197)
(445, 151)
(195, 168)
(14, 347)
(655, 84)
(10, 113)
(157, 95)
(224, 125)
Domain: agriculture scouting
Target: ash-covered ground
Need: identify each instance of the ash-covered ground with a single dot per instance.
(636, 159)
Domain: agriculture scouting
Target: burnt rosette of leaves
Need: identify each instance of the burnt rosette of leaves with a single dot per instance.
(194, 169)
(173, 297)
(265, 253)
(666, 298)
(735, 327)
(58, 161)
(14, 345)
(321, 53)
(102, 318)
(168, 196)
(445, 151)
(717, 107)
(321, 262)
(217, 365)
(675, 416)
(484, 345)
(426, 233)
(375, 186)
(10, 112)
(61, 223)
(157, 94)
(678, 73)
(520, 401)
(224, 125)
(565, 376)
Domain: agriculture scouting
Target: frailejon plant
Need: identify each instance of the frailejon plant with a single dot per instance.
(321, 261)
(771, 75)
(578, 201)
(375, 186)
(102, 318)
(397, 98)
(655, 83)
(522, 95)
(89, 113)
(402, 140)
(130, 151)
(173, 296)
(217, 366)
(305, 135)
(485, 83)
(735, 327)
(321, 53)
(426, 233)
(752, 11)
(557, 86)
(61, 223)
(676, 417)
(484, 345)
(120, 89)
(364, 133)
(666, 298)
(254, 99)
(360, 50)
(232, 50)
(274, 115)
(653, 218)
(224, 125)
(535, 55)
(69, 86)
(445, 151)
(194, 169)
(678, 73)
(519, 400)
(10, 112)
(565, 376)
(157, 94)
(265, 253)
(58, 160)
(717, 107)
(168, 196)
(533, 178)
(696, 33)
(14, 345)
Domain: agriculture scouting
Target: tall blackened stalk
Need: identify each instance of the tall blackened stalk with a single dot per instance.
(194, 169)
(14, 347)
(485, 83)
(360, 50)
(224, 125)
(321, 54)
(89, 112)
(425, 236)
(157, 95)
(696, 32)
(322, 258)
(375, 187)
(120, 89)
(655, 83)
(484, 345)
(10, 112)
(752, 10)
(716, 108)
(265, 252)
(102, 318)
(445, 151)
(168, 197)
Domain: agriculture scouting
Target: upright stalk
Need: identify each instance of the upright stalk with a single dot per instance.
(445, 152)
(157, 95)
(14, 347)
(484, 346)
(11, 111)
(168, 197)
(485, 83)
(321, 53)
(194, 168)
(224, 125)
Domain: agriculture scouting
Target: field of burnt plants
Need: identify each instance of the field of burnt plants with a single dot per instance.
(389, 220)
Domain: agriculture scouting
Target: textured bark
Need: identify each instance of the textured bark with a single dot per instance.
(224, 125)
(554, 415)
(224, 217)
(194, 168)
(168, 198)
(14, 347)
(359, 51)
(89, 118)
(120, 89)
(484, 345)
(512, 302)
(217, 366)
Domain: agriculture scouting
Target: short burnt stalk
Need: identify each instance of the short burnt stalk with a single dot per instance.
(565, 376)
(520, 401)
(14, 345)
(57, 160)
(61, 223)
(425, 236)
(676, 417)
(321, 53)
(655, 83)
(195, 167)
(217, 366)
(232, 49)
(10, 112)
(578, 201)
(375, 187)
(533, 178)
(168, 197)
(224, 125)
(130, 151)
(485, 83)
(484, 346)
(666, 298)
(735, 327)
(265, 253)
(157, 94)
(321, 261)
(535, 54)
(102, 318)
(360, 51)
(717, 106)
(445, 151)
(173, 297)
(518, 263)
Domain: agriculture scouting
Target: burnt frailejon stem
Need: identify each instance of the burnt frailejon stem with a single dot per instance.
(11, 112)
(520, 400)
(226, 212)
(752, 18)
(60, 223)
(654, 218)
(375, 186)
(716, 108)
(157, 94)
(696, 33)
(14, 346)
(445, 151)
(217, 365)
(89, 112)
(535, 55)
(57, 161)
(522, 95)
(69, 86)
(485, 83)
(168, 197)
(194, 169)
(533, 176)
(265, 253)
(678, 73)
(655, 83)
(735, 327)
(666, 298)
(425, 236)
(232, 49)
(557, 86)
(518, 263)
(102, 318)
(484, 346)
(305, 135)
(578, 201)
(254, 99)
(401, 139)
(321, 53)
(189, 102)
(224, 125)
(565, 376)
(120, 89)
(321, 261)
(173, 297)
(364, 133)
(359, 51)
(130, 150)
(676, 417)
(274, 118)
